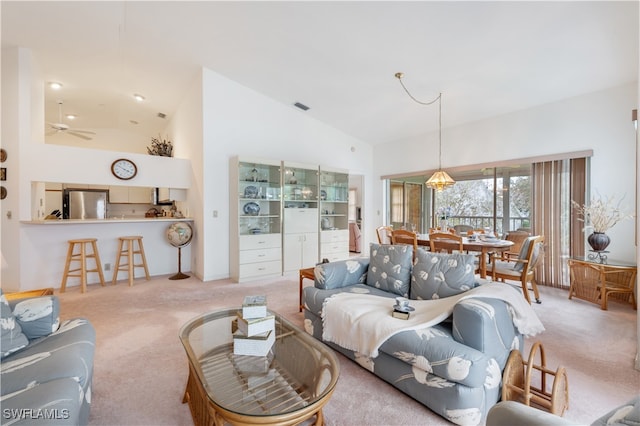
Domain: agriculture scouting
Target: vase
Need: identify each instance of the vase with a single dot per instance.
(598, 241)
(443, 225)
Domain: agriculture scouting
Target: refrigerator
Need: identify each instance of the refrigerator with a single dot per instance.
(84, 203)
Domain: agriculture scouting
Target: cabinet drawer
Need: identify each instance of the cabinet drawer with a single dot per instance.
(333, 236)
(259, 255)
(260, 241)
(260, 268)
(335, 247)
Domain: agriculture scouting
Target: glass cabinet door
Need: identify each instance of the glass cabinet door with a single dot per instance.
(300, 186)
(334, 200)
(259, 198)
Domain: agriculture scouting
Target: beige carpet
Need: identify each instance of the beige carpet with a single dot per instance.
(141, 369)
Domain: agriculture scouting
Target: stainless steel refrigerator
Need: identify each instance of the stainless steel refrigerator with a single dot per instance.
(84, 203)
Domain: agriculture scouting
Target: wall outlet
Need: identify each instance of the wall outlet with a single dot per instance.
(107, 266)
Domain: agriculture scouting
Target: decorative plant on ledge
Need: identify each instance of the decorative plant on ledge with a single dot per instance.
(161, 147)
(600, 216)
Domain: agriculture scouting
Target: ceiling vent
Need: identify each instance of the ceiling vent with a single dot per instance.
(301, 106)
(162, 115)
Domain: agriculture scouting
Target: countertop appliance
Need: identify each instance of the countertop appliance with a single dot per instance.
(84, 203)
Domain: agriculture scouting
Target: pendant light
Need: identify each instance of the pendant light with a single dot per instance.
(440, 179)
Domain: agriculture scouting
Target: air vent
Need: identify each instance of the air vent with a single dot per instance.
(301, 106)
(162, 115)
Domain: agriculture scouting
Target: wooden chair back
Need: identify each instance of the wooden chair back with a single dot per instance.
(402, 236)
(463, 229)
(518, 238)
(445, 242)
(384, 234)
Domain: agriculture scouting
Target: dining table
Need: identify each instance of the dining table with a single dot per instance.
(480, 244)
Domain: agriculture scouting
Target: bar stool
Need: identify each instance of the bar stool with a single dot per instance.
(127, 249)
(81, 257)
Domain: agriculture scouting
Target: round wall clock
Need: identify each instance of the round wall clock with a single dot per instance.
(124, 169)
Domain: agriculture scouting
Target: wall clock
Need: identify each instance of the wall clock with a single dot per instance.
(124, 169)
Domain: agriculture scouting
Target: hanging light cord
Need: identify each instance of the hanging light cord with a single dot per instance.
(438, 99)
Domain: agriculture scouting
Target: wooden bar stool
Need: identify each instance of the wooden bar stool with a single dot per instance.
(81, 257)
(127, 249)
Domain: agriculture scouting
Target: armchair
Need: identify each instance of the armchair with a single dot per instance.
(521, 269)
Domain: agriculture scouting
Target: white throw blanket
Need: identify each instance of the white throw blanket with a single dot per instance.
(363, 322)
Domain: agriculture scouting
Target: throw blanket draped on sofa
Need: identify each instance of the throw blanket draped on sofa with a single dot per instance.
(362, 323)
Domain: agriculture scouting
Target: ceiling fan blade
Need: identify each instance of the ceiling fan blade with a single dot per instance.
(83, 131)
(78, 135)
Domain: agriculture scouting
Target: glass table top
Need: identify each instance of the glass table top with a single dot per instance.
(298, 372)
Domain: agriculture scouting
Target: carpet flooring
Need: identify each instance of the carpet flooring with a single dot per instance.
(140, 368)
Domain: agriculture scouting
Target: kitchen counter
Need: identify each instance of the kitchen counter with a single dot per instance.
(106, 221)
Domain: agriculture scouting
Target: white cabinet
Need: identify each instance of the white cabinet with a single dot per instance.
(334, 209)
(300, 218)
(300, 238)
(334, 244)
(255, 205)
(130, 195)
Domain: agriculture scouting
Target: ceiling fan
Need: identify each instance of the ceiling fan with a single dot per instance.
(61, 127)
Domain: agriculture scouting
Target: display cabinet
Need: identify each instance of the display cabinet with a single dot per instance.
(256, 221)
(334, 218)
(300, 224)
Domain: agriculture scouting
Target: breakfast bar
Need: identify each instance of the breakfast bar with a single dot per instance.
(47, 240)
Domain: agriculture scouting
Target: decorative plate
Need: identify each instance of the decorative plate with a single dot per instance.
(252, 209)
(250, 192)
(404, 309)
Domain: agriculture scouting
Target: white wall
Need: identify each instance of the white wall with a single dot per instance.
(600, 121)
(240, 121)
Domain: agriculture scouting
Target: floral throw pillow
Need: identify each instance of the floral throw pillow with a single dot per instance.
(11, 338)
(390, 268)
(438, 275)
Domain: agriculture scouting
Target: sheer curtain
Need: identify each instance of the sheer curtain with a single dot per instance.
(555, 184)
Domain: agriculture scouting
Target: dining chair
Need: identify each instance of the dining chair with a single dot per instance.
(463, 229)
(522, 268)
(445, 242)
(384, 234)
(518, 238)
(403, 236)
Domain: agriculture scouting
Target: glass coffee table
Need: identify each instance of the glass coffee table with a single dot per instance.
(288, 386)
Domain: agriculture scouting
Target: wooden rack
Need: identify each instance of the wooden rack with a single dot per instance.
(517, 382)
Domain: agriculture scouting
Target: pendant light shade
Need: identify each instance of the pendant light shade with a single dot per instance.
(440, 179)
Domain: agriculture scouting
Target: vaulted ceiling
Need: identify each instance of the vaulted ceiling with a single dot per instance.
(339, 58)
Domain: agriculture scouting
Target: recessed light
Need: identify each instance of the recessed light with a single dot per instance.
(138, 97)
(71, 116)
(55, 85)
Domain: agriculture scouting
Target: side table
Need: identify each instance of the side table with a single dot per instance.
(29, 293)
(308, 273)
(595, 281)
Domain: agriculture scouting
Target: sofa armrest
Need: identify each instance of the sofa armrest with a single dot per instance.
(485, 324)
(342, 273)
(37, 316)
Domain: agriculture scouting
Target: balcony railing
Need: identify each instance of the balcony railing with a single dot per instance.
(481, 222)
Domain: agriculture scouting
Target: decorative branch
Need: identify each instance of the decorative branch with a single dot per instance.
(601, 215)
(161, 147)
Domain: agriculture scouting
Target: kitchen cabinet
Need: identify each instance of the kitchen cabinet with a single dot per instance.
(129, 195)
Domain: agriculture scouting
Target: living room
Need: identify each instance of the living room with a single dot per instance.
(209, 126)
